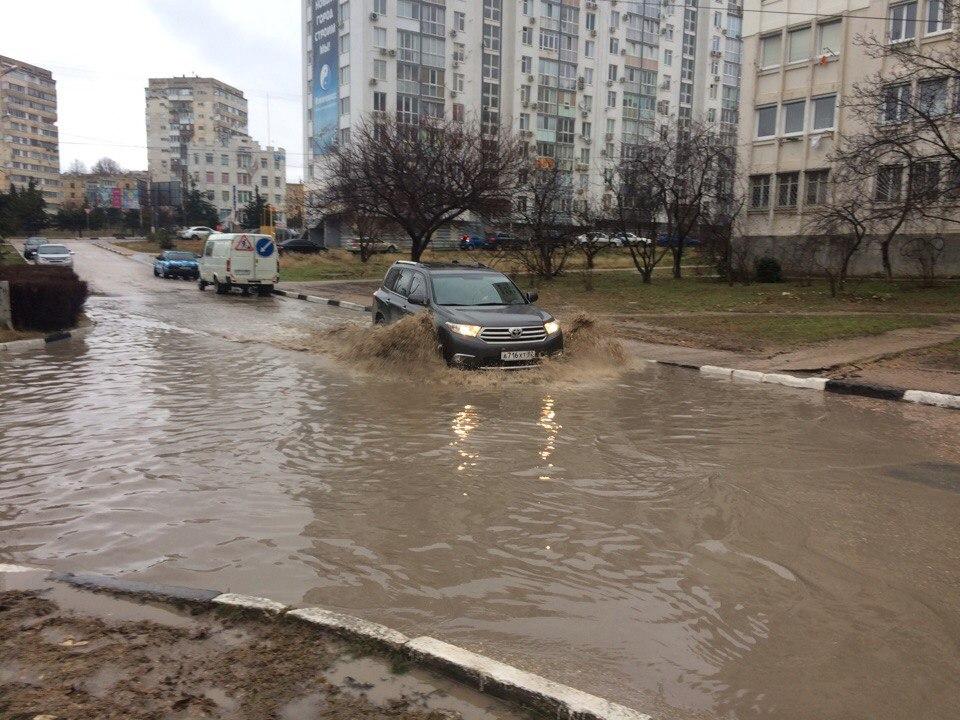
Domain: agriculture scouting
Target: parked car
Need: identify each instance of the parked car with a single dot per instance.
(244, 260)
(596, 238)
(474, 241)
(53, 255)
(374, 248)
(176, 263)
(482, 318)
(197, 232)
(626, 239)
(31, 245)
(300, 245)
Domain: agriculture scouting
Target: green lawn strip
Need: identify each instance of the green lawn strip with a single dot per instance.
(759, 332)
(625, 293)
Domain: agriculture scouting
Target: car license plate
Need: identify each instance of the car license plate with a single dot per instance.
(510, 355)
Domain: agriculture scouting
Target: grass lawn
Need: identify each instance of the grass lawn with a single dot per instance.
(153, 248)
(10, 256)
(624, 293)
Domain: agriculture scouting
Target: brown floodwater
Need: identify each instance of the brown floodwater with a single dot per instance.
(682, 545)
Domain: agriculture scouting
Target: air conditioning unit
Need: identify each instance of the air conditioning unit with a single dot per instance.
(723, 31)
(582, 168)
(453, 33)
(623, 79)
(584, 113)
(715, 53)
(603, 153)
(665, 85)
(374, 16)
(391, 52)
(609, 83)
(373, 81)
(383, 51)
(623, 51)
(593, 33)
(453, 93)
(530, 78)
(532, 21)
(456, 63)
(608, 137)
(716, 78)
(525, 104)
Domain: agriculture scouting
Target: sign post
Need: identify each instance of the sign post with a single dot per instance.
(6, 316)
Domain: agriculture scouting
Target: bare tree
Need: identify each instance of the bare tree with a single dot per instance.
(77, 167)
(924, 252)
(368, 232)
(635, 206)
(543, 219)
(419, 177)
(594, 224)
(682, 170)
(839, 229)
(722, 243)
(106, 166)
(904, 119)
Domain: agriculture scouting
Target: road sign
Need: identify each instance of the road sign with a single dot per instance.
(265, 247)
(243, 243)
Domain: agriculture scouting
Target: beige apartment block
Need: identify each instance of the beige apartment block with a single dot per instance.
(197, 134)
(801, 59)
(123, 191)
(29, 143)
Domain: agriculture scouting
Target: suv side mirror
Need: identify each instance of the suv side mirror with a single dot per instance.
(418, 299)
(532, 296)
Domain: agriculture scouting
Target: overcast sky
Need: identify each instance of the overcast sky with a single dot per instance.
(101, 53)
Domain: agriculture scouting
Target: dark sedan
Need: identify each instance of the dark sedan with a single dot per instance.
(301, 245)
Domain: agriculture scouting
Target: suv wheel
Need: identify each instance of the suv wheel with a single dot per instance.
(379, 319)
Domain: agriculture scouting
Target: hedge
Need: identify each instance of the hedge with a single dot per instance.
(43, 297)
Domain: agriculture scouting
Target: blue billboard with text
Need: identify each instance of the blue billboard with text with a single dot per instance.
(326, 74)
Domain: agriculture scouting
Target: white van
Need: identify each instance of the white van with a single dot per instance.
(243, 260)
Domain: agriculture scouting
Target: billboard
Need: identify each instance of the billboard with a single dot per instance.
(326, 75)
(107, 196)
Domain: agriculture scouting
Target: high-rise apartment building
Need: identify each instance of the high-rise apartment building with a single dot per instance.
(197, 135)
(582, 80)
(803, 58)
(29, 143)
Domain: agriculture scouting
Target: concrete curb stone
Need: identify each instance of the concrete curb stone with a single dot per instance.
(350, 626)
(249, 602)
(323, 301)
(169, 593)
(34, 343)
(840, 385)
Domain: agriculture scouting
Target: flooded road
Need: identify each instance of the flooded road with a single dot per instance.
(688, 547)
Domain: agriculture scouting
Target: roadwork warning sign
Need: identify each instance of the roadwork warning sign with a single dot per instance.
(243, 243)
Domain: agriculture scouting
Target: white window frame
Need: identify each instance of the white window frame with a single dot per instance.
(763, 39)
(902, 23)
(813, 113)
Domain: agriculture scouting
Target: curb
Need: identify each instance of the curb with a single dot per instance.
(324, 301)
(840, 386)
(487, 675)
(34, 343)
(109, 247)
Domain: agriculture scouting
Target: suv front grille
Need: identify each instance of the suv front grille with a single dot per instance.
(502, 335)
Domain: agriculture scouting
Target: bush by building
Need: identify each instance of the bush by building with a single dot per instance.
(44, 298)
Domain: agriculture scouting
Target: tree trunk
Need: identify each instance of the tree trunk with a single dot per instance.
(677, 257)
(885, 255)
(416, 250)
(647, 275)
(589, 261)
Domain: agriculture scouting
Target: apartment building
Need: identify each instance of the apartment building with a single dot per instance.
(802, 59)
(124, 191)
(582, 80)
(197, 135)
(29, 142)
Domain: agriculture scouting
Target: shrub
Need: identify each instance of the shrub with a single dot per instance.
(767, 270)
(165, 238)
(44, 298)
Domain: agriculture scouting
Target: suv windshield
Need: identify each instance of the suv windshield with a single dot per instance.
(52, 250)
(179, 256)
(475, 289)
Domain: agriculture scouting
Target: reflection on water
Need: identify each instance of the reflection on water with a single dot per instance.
(700, 546)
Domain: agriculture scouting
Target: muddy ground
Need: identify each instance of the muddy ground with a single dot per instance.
(59, 664)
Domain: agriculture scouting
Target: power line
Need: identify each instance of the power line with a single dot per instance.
(758, 11)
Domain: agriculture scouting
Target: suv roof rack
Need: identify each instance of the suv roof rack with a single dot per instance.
(406, 262)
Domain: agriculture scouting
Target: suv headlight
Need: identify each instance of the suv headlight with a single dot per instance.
(551, 327)
(465, 330)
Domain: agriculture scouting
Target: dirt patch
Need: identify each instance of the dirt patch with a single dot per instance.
(409, 349)
(60, 664)
(936, 369)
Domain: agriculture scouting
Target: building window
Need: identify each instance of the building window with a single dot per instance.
(379, 102)
(932, 99)
(524, 121)
(612, 98)
(590, 21)
(788, 187)
(896, 103)
(344, 75)
(408, 9)
(759, 192)
(209, 177)
(459, 21)
(209, 158)
(459, 52)
(668, 57)
(939, 15)
(380, 6)
(225, 195)
(824, 112)
(379, 37)
(225, 178)
(491, 37)
(815, 182)
(767, 121)
(458, 79)
(614, 46)
(264, 181)
(380, 69)
(611, 72)
(224, 159)
(589, 48)
(798, 45)
(526, 35)
(491, 10)
(526, 64)
(828, 38)
(903, 21)
(889, 182)
(345, 106)
(793, 117)
(771, 50)
(925, 179)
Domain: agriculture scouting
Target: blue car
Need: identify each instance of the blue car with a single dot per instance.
(176, 263)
